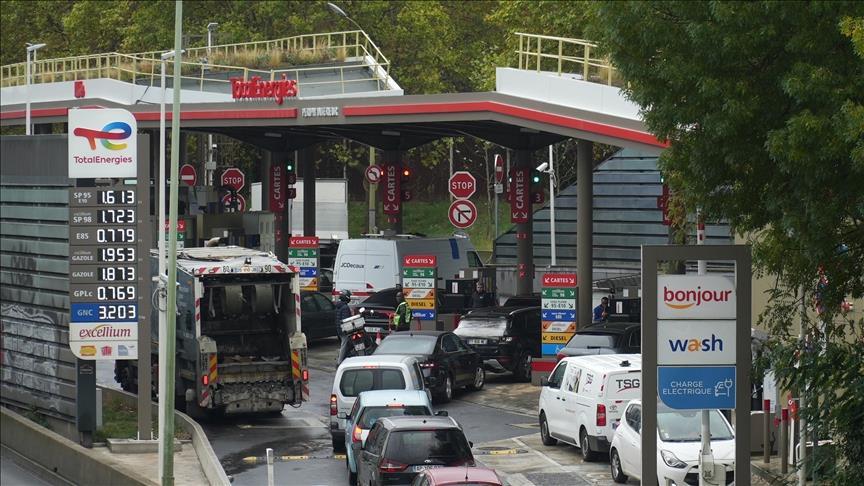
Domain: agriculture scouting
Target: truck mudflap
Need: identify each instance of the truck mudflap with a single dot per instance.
(300, 371)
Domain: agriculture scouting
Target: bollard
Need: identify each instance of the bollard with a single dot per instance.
(270, 480)
(784, 441)
(766, 431)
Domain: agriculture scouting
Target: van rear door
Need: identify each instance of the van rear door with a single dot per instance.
(621, 387)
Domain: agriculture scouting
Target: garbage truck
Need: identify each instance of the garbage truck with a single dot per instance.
(239, 341)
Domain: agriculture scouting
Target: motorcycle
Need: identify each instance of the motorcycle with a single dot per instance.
(354, 328)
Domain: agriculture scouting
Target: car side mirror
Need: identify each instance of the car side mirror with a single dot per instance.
(544, 381)
(442, 413)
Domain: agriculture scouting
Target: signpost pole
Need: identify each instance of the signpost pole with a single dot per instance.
(169, 337)
(372, 191)
(552, 209)
(706, 455)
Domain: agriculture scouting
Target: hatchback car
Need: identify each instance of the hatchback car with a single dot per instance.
(399, 448)
(446, 361)
(506, 338)
(452, 476)
(604, 338)
(319, 315)
(678, 445)
(371, 406)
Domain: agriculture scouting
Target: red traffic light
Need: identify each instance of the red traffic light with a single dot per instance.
(406, 173)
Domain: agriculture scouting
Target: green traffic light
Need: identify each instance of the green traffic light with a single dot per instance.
(290, 167)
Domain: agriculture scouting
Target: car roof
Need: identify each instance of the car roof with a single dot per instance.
(360, 361)
(608, 362)
(416, 333)
(499, 311)
(408, 422)
(458, 475)
(608, 328)
(384, 397)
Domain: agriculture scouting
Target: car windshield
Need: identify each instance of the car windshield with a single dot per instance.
(679, 426)
(482, 326)
(592, 341)
(371, 414)
(383, 297)
(441, 447)
(356, 381)
(406, 345)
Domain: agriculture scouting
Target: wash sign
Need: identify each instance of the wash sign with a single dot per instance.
(696, 332)
(558, 311)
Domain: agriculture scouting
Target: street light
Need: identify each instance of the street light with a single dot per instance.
(548, 168)
(30, 48)
(338, 11)
(210, 165)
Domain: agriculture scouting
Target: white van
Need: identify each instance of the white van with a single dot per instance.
(366, 265)
(584, 397)
(364, 373)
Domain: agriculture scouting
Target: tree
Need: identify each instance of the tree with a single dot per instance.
(762, 103)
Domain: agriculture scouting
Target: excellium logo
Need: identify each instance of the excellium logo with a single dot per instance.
(685, 299)
(108, 132)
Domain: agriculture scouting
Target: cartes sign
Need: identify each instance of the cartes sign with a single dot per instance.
(392, 193)
(558, 311)
(277, 188)
(519, 203)
(303, 253)
(419, 277)
(102, 143)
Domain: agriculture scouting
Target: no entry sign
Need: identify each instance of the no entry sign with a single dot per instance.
(188, 175)
(462, 213)
(234, 178)
(499, 168)
(462, 185)
(373, 174)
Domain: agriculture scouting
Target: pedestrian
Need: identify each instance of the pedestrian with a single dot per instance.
(601, 312)
(480, 298)
(343, 312)
(402, 315)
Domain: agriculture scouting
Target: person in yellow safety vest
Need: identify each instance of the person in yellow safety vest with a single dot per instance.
(402, 316)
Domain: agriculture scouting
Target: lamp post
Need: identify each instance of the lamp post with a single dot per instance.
(338, 11)
(210, 165)
(548, 168)
(30, 48)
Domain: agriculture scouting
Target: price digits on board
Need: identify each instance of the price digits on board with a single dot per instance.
(124, 196)
(115, 292)
(115, 235)
(114, 254)
(110, 312)
(116, 216)
(114, 274)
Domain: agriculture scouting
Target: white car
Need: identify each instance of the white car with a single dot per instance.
(678, 445)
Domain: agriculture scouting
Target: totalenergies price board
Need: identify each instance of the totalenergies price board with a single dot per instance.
(558, 311)
(419, 274)
(303, 254)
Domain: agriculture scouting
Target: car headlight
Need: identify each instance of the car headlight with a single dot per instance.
(671, 460)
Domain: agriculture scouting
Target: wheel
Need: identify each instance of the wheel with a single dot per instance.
(587, 454)
(545, 436)
(522, 372)
(615, 463)
(338, 443)
(445, 393)
(479, 379)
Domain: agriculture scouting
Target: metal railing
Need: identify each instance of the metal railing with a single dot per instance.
(564, 55)
(216, 64)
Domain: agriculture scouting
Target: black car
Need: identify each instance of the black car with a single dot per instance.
(532, 300)
(604, 338)
(447, 362)
(399, 448)
(378, 309)
(318, 315)
(506, 338)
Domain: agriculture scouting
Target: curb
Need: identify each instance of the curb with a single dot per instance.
(766, 474)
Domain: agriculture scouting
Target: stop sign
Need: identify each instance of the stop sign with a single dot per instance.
(188, 175)
(234, 178)
(462, 185)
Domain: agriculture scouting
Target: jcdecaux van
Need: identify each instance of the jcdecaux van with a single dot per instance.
(366, 265)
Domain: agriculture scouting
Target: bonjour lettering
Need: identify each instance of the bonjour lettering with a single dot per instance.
(255, 88)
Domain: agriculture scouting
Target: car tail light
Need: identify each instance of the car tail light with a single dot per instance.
(357, 434)
(305, 375)
(388, 466)
(559, 356)
(427, 365)
(601, 415)
(205, 380)
(334, 408)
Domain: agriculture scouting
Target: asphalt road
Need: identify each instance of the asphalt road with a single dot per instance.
(304, 432)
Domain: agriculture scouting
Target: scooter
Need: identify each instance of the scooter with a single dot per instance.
(361, 343)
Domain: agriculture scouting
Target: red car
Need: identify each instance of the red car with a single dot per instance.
(479, 476)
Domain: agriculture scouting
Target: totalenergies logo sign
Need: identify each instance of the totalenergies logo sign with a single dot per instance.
(102, 143)
(695, 297)
(255, 88)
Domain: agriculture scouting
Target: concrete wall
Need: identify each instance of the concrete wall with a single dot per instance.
(61, 456)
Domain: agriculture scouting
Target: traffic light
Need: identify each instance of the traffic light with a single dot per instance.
(406, 174)
(536, 176)
(291, 173)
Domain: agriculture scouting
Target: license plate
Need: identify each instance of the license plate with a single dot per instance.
(373, 329)
(476, 341)
(423, 468)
